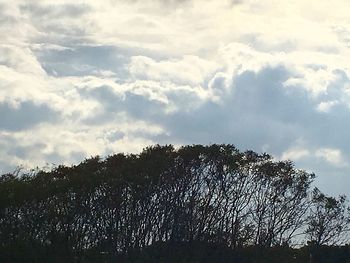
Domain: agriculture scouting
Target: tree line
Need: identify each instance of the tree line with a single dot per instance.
(122, 206)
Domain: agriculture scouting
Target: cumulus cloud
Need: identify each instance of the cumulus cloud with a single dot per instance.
(106, 76)
(295, 154)
(333, 156)
(24, 116)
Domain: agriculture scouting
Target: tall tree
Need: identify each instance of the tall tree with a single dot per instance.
(328, 219)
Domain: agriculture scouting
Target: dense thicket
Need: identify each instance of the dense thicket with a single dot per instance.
(154, 204)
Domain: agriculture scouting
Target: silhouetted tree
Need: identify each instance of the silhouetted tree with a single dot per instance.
(191, 200)
(328, 219)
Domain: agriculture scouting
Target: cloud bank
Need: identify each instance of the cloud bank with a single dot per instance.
(98, 77)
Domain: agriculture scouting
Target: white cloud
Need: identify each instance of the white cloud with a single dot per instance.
(120, 75)
(190, 70)
(295, 154)
(333, 156)
(325, 106)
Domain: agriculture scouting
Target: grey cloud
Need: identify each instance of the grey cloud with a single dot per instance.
(259, 114)
(136, 106)
(257, 42)
(336, 89)
(258, 103)
(140, 107)
(57, 23)
(59, 30)
(83, 60)
(26, 116)
(10, 146)
(259, 111)
(108, 99)
(24, 151)
(115, 136)
(80, 60)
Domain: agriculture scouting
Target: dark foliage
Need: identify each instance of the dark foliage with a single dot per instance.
(187, 205)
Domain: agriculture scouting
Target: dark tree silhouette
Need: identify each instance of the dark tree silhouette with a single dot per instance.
(328, 220)
(167, 205)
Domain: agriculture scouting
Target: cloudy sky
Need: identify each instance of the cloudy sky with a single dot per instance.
(100, 77)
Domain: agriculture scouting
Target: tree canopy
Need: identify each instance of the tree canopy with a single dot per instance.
(126, 204)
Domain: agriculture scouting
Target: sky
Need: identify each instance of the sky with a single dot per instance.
(109, 76)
